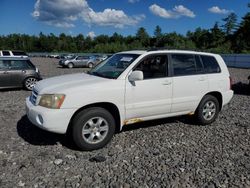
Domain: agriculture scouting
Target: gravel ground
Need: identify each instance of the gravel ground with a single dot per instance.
(162, 153)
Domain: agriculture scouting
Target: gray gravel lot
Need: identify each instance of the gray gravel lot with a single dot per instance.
(163, 153)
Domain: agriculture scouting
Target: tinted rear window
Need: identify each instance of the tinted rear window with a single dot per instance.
(210, 64)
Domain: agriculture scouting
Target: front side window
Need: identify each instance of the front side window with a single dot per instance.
(153, 66)
(210, 64)
(82, 58)
(113, 66)
(3, 65)
(183, 64)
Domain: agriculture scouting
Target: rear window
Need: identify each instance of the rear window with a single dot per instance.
(6, 53)
(210, 64)
(19, 53)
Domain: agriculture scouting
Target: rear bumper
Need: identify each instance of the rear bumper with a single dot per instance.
(227, 96)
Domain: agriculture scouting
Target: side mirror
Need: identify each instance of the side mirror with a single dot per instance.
(135, 76)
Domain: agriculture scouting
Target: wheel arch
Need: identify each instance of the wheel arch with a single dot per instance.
(70, 63)
(217, 95)
(110, 107)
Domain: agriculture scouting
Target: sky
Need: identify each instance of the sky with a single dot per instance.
(96, 17)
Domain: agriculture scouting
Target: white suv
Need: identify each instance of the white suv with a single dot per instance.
(130, 87)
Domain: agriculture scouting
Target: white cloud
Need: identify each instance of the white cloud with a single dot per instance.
(60, 13)
(91, 34)
(218, 10)
(133, 1)
(176, 12)
(63, 13)
(183, 11)
(111, 17)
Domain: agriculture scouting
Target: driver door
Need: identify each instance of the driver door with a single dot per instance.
(151, 96)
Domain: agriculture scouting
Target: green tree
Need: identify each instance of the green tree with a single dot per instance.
(217, 36)
(230, 24)
(158, 31)
(143, 37)
(242, 36)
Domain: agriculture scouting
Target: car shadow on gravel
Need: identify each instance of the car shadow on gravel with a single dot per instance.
(11, 89)
(241, 88)
(38, 137)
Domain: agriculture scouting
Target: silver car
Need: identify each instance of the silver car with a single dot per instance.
(78, 61)
(18, 72)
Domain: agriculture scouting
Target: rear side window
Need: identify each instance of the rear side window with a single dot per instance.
(6, 53)
(210, 64)
(19, 53)
(183, 64)
(19, 65)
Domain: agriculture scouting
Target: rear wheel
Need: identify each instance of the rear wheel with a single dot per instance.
(70, 65)
(29, 83)
(207, 110)
(93, 128)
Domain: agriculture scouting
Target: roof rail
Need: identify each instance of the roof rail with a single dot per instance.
(167, 48)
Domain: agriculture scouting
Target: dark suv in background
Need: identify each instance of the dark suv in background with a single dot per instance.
(18, 72)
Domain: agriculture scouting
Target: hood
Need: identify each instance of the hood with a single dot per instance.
(65, 82)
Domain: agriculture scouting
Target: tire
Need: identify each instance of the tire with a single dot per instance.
(70, 65)
(208, 110)
(98, 125)
(29, 83)
(90, 65)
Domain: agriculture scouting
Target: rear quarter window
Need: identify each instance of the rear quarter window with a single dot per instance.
(210, 64)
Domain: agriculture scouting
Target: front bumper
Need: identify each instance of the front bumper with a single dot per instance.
(53, 120)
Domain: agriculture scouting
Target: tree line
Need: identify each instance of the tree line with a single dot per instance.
(232, 36)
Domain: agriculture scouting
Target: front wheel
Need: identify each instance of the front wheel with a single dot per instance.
(29, 83)
(90, 65)
(207, 110)
(93, 128)
(70, 65)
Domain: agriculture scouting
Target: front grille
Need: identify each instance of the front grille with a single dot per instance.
(33, 96)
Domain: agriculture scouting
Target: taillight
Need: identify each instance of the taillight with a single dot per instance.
(230, 82)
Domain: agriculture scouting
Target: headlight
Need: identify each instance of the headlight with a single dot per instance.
(53, 101)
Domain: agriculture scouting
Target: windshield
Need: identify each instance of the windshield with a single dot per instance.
(113, 66)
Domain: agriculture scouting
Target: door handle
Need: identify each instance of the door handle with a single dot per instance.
(202, 79)
(167, 83)
(5, 72)
(23, 71)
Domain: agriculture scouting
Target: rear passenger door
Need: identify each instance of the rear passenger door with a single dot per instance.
(189, 82)
(4, 75)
